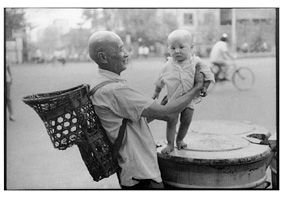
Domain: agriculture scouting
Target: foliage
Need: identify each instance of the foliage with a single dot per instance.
(14, 21)
(49, 40)
(139, 23)
(77, 39)
(144, 23)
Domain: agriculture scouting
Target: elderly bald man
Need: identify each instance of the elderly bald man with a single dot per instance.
(137, 156)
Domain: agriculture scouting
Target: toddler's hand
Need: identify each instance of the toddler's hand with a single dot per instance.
(203, 92)
(155, 95)
(199, 77)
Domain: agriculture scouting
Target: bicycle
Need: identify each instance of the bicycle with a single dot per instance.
(242, 78)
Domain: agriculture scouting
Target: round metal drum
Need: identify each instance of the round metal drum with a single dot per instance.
(214, 159)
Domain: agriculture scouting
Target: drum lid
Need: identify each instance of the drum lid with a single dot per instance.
(226, 127)
(207, 144)
(214, 143)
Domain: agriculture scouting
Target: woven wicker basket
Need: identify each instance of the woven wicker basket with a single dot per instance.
(69, 118)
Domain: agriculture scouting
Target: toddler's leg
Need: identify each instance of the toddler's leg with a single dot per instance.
(186, 118)
(170, 136)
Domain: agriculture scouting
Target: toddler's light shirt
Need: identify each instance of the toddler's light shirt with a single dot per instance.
(180, 79)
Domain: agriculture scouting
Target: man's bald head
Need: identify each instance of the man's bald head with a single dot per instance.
(101, 41)
(107, 50)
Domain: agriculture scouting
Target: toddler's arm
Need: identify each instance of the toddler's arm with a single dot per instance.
(208, 76)
(156, 92)
(203, 91)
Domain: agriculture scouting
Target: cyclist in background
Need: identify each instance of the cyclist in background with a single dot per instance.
(219, 56)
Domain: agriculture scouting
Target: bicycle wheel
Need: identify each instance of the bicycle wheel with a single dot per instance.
(243, 78)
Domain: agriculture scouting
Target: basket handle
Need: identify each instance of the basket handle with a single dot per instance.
(118, 141)
(93, 90)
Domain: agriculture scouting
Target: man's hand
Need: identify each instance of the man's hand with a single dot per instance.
(199, 78)
(155, 95)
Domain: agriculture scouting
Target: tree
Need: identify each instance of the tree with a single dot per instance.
(49, 40)
(139, 23)
(167, 24)
(106, 18)
(147, 24)
(91, 14)
(14, 21)
(76, 40)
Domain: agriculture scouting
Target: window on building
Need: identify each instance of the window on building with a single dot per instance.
(188, 19)
(225, 16)
(256, 21)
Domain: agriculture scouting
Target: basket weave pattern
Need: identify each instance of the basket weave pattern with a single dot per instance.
(59, 116)
(69, 118)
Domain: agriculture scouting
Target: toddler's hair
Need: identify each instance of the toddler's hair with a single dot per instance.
(180, 33)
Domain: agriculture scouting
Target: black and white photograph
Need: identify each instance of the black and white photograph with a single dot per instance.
(141, 98)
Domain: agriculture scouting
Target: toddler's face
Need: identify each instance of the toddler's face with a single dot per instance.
(180, 48)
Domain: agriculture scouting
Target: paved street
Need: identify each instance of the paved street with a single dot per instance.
(33, 163)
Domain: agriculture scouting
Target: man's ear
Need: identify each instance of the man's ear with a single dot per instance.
(102, 57)
(192, 46)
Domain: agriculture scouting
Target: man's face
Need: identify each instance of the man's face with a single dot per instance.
(118, 56)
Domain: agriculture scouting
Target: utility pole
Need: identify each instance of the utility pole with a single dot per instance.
(234, 32)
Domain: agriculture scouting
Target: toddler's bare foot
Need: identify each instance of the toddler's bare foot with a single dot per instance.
(181, 144)
(168, 149)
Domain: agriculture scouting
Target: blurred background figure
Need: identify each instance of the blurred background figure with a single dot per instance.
(141, 51)
(38, 56)
(220, 54)
(245, 47)
(146, 51)
(8, 91)
(60, 56)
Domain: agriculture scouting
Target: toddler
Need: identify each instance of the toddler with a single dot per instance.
(178, 76)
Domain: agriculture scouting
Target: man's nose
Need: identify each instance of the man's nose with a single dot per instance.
(126, 53)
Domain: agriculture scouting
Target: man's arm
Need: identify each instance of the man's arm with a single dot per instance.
(174, 107)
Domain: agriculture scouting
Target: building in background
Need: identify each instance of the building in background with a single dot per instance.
(254, 28)
(15, 36)
(249, 30)
(14, 48)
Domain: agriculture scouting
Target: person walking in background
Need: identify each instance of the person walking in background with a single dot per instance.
(146, 51)
(178, 77)
(140, 51)
(8, 91)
